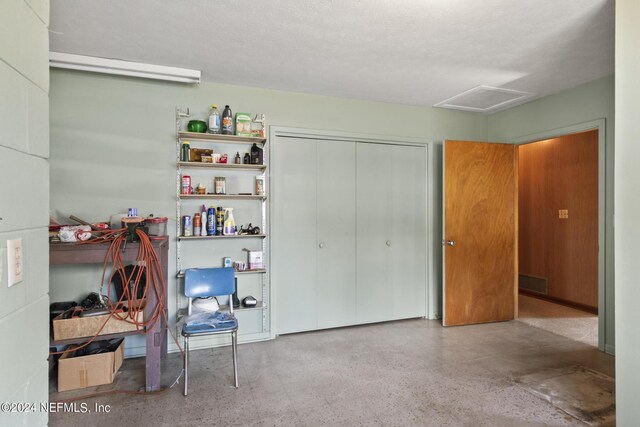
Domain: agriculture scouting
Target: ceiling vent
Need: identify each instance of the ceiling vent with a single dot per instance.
(485, 99)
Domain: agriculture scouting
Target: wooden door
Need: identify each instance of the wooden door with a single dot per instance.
(480, 232)
(336, 231)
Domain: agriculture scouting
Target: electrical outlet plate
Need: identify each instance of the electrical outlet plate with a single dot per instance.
(15, 262)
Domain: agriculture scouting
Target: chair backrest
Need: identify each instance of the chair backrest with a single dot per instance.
(209, 282)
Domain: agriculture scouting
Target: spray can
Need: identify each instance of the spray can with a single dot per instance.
(196, 224)
(186, 226)
(219, 221)
(211, 221)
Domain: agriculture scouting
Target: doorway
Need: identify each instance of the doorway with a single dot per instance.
(558, 235)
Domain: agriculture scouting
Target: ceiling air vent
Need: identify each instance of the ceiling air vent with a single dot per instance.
(485, 99)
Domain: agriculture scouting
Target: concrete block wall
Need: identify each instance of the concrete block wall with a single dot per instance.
(24, 204)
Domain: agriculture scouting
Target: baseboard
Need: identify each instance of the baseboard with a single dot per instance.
(197, 343)
(576, 305)
(610, 349)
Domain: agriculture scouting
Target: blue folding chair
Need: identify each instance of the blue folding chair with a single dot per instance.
(210, 282)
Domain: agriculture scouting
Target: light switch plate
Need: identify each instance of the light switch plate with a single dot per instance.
(15, 262)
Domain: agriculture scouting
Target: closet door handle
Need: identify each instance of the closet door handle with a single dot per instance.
(321, 245)
(389, 243)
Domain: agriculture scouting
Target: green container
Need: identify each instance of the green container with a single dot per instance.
(197, 126)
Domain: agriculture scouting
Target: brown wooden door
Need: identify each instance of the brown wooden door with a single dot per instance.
(480, 232)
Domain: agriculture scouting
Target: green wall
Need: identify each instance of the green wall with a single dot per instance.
(113, 143)
(113, 147)
(627, 205)
(24, 205)
(585, 103)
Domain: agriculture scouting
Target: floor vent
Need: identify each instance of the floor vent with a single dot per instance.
(486, 99)
(538, 285)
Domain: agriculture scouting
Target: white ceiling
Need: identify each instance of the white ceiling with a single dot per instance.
(417, 52)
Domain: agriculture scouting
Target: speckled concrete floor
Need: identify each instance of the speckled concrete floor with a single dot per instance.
(406, 373)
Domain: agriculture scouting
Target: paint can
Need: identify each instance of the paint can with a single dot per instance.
(187, 228)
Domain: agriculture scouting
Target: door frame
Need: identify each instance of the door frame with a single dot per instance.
(599, 125)
(431, 303)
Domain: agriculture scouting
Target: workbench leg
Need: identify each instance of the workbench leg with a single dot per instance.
(154, 350)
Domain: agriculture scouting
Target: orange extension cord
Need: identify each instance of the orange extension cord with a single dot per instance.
(155, 282)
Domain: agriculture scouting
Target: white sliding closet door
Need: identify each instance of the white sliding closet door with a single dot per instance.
(374, 216)
(293, 244)
(407, 296)
(391, 232)
(314, 226)
(336, 219)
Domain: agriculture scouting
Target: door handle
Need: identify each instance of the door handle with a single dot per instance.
(448, 243)
(321, 245)
(388, 243)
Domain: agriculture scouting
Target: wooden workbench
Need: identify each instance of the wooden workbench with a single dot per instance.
(156, 338)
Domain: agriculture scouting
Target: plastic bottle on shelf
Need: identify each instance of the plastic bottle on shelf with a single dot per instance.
(229, 222)
(227, 121)
(214, 120)
(204, 220)
(256, 155)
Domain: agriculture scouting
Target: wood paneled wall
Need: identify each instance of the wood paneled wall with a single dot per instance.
(555, 174)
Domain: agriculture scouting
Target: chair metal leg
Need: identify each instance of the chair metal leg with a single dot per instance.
(186, 364)
(234, 345)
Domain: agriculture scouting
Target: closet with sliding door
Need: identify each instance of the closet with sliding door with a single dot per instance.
(348, 227)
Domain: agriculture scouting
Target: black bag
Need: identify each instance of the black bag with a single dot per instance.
(130, 272)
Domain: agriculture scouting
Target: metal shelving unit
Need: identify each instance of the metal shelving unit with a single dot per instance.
(222, 196)
(239, 236)
(220, 165)
(209, 140)
(229, 139)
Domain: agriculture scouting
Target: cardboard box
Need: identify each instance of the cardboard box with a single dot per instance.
(243, 124)
(255, 260)
(197, 153)
(64, 329)
(258, 126)
(88, 371)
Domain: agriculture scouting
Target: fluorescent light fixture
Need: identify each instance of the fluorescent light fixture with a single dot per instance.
(122, 68)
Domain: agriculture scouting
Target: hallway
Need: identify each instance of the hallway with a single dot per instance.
(559, 319)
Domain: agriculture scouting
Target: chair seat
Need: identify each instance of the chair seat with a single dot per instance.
(203, 323)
